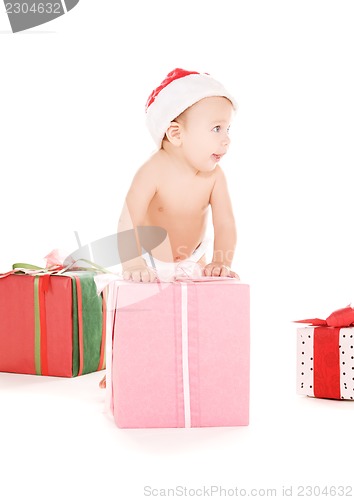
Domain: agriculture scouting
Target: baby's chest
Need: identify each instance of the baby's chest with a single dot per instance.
(181, 201)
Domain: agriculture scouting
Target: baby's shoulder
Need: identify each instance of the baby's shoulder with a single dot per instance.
(149, 169)
(152, 164)
(218, 175)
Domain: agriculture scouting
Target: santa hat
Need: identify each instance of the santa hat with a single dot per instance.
(179, 90)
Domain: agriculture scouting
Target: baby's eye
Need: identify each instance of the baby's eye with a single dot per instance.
(217, 128)
(228, 129)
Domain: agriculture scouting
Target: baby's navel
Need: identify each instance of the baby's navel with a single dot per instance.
(160, 209)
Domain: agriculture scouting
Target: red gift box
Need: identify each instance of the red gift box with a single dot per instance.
(325, 356)
(51, 324)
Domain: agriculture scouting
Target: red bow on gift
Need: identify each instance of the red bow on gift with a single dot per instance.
(341, 318)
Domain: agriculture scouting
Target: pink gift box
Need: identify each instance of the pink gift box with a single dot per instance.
(180, 354)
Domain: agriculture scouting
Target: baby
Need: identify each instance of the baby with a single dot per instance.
(189, 117)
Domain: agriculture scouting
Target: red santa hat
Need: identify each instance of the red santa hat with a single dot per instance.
(179, 90)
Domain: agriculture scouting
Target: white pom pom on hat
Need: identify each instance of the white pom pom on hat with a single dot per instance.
(178, 91)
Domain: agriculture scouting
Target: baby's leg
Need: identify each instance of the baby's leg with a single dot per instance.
(202, 261)
(103, 383)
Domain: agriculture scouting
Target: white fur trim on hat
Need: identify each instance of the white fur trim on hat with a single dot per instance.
(176, 97)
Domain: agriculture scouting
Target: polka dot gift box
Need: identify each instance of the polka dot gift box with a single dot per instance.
(325, 356)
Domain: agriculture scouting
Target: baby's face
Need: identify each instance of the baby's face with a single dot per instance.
(205, 132)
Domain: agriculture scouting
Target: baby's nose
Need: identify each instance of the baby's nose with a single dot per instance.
(226, 140)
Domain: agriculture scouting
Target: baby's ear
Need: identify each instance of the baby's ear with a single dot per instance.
(173, 133)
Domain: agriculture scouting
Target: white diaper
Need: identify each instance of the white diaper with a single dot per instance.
(167, 271)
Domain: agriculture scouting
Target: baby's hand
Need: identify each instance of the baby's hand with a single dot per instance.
(219, 269)
(138, 274)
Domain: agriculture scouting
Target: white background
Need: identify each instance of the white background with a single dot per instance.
(72, 134)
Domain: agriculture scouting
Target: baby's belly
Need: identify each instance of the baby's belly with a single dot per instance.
(183, 245)
(183, 237)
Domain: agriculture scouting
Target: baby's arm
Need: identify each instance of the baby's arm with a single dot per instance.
(225, 236)
(133, 215)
